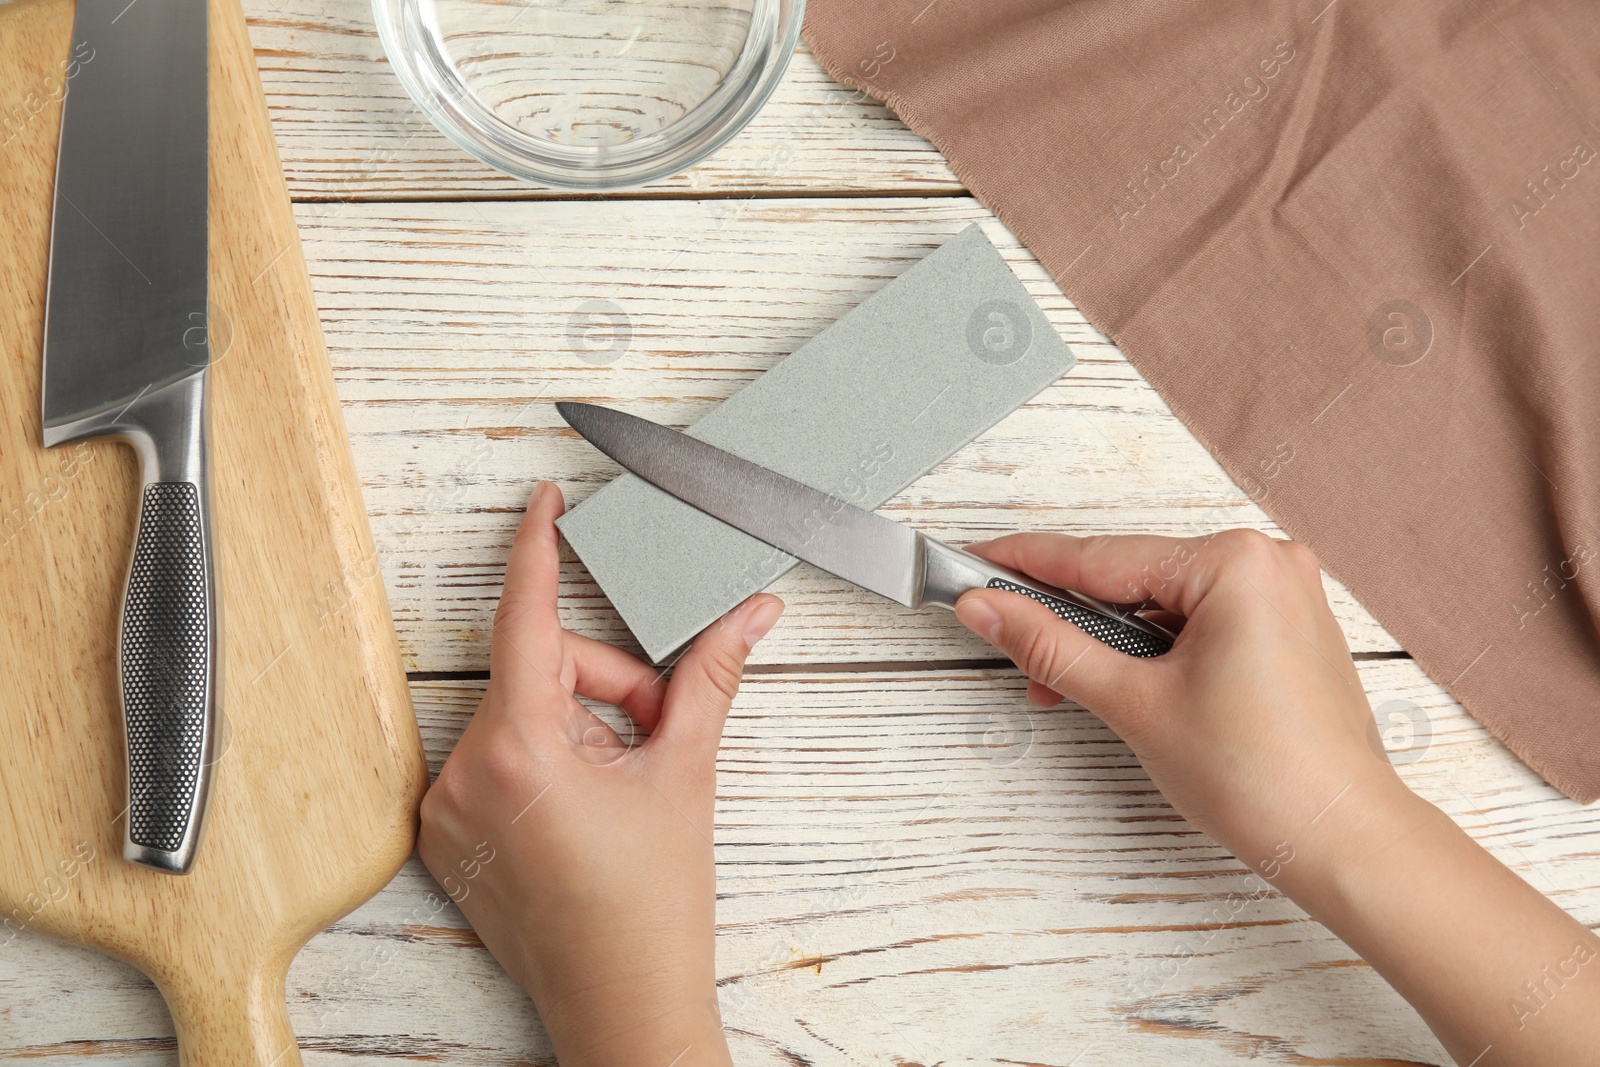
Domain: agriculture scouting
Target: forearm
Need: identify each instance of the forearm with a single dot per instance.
(1499, 972)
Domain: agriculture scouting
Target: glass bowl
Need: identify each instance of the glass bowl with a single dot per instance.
(589, 94)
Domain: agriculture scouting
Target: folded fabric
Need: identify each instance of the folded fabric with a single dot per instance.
(1355, 247)
(861, 411)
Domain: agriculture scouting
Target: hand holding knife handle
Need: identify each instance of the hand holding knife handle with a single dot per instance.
(948, 572)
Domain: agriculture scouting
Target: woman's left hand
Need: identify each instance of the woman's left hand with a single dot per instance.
(585, 865)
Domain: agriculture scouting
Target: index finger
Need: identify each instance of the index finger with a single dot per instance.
(1127, 569)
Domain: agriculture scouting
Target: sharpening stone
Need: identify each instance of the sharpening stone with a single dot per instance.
(876, 400)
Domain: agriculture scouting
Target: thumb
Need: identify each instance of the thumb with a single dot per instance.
(706, 679)
(1055, 653)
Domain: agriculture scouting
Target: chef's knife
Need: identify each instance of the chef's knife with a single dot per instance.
(857, 545)
(126, 351)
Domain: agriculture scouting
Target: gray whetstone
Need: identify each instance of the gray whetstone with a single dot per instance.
(873, 402)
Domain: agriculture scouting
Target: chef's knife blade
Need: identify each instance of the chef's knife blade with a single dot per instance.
(126, 351)
(857, 545)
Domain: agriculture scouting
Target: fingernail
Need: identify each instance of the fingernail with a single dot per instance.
(538, 492)
(762, 619)
(982, 619)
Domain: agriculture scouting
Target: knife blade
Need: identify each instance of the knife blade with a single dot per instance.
(862, 547)
(126, 353)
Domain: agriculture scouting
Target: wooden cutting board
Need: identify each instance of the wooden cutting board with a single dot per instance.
(315, 795)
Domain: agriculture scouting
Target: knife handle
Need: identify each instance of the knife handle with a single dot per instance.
(948, 572)
(168, 659)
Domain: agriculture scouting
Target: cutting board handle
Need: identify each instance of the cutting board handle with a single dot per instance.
(225, 1018)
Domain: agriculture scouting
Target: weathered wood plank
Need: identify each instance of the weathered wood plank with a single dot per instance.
(915, 868)
(453, 328)
(347, 130)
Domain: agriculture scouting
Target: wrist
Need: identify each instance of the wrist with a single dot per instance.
(1359, 842)
(638, 1024)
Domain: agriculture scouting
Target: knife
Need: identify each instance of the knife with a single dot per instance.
(859, 546)
(126, 350)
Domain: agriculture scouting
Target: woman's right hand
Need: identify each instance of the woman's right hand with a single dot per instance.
(1255, 725)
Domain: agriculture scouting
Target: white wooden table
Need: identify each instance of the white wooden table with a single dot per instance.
(915, 867)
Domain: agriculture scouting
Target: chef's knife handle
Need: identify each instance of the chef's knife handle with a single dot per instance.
(169, 642)
(948, 572)
(166, 668)
(168, 661)
(1100, 625)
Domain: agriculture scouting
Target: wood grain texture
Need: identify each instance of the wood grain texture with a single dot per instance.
(320, 766)
(347, 130)
(914, 867)
(454, 327)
